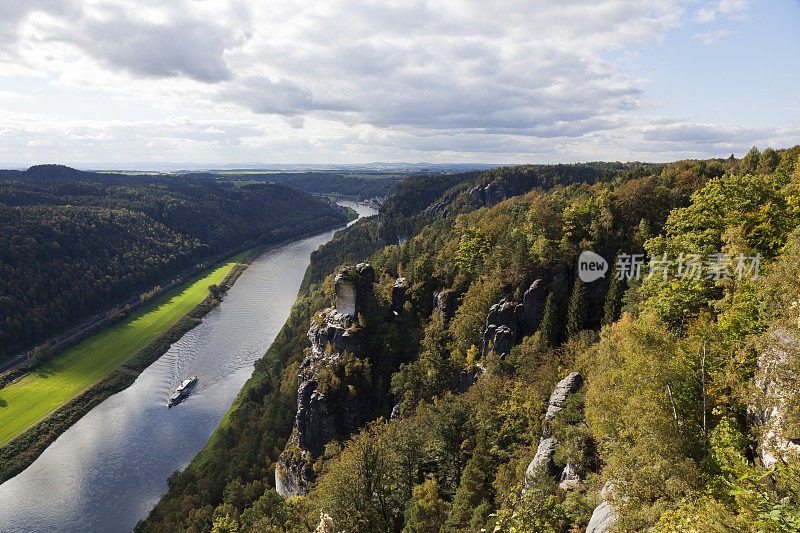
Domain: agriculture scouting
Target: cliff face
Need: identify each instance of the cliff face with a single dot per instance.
(326, 411)
(769, 414)
(507, 323)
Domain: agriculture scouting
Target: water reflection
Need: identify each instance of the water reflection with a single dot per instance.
(108, 470)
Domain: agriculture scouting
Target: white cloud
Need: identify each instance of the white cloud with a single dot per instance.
(734, 9)
(344, 80)
(710, 37)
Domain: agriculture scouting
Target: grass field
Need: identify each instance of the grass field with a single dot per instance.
(35, 395)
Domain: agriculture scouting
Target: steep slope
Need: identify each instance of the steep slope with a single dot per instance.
(70, 249)
(651, 439)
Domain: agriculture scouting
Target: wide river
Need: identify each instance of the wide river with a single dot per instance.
(107, 471)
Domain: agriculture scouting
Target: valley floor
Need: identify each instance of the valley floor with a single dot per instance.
(34, 396)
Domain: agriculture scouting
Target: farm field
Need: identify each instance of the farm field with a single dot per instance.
(37, 394)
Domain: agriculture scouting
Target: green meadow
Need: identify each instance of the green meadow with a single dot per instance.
(35, 395)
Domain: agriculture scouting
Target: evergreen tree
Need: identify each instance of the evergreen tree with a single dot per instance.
(576, 313)
(552, 328)
(474, 490)
(613, 302)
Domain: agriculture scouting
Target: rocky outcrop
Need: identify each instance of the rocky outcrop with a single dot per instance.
(507, 323)
(399, 291)
(325, 524)
(293, 472)
(570, 478)
(489, 194)
(444, 302)
(780, 441)
(352, 286)
(569, 385)
(324, 415)
(543, 460)
(441, 208)
(603, 516)
(331, 328)
(464, 378)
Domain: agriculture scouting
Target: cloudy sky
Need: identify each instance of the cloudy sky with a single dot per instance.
(112, 83)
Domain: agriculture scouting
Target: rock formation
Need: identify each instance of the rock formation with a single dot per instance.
(352, 286)
(543, 460)
(399, 297)
(489, 194)
(440, 208)
(603, 516)
(323, 415)
(780, 440)
(464, 378)
(444, 302)
(507, 323)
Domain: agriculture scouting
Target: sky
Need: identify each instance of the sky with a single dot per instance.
(140, 84)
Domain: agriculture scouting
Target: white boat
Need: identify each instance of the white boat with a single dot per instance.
(182, 391)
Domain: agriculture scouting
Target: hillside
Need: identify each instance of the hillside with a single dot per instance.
(463, 376)
(70, 249)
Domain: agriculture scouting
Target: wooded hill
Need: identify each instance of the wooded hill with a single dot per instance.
(73, 243)
(687, 413)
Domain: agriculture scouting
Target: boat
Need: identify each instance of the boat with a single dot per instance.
(182, 391)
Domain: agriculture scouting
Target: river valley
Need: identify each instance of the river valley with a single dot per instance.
(108, 470)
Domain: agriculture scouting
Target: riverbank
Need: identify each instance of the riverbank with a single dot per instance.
(21, 443)
(35, 433)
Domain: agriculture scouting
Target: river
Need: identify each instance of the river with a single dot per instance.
(108, 470)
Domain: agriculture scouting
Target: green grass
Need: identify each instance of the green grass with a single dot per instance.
(37, 394)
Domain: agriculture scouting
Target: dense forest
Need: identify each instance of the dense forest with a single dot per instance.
(357, 185)
(70, 249)
(362, 185)
(664, 396)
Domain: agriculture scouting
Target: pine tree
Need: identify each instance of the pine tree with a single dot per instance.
(552, 328)
(475, 488)
(576, 312)
(613, 301)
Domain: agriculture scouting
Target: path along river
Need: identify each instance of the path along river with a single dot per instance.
(107, 471)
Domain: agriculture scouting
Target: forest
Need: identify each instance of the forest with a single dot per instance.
(672, 426)
(73, 244)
